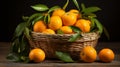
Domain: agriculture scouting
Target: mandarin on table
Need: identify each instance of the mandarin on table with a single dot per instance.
(88, 54)
(55, 23)
(106, 55)
(39, 26)
(37, 55)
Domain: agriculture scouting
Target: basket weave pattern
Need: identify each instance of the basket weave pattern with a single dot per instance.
(59, 42)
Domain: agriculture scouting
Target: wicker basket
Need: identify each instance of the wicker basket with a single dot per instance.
(59, 42)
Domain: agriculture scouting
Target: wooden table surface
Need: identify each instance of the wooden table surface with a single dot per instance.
(115, 46)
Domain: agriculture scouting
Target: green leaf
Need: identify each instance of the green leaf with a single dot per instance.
(82, 6)
(20, 29)
(75, 29)
(13, 57)
(74, 37)
(66, 4)
(40, 17)
(92, 24)
(76, 4)
(59, 31)
(40, 7)
(99, 25)
(27, 32)
(33, 16)
(106, 32)
(25, 18)
(91, 9)
(53, 8)
(65, 57)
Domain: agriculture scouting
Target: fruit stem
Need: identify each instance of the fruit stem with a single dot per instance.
(66, 4)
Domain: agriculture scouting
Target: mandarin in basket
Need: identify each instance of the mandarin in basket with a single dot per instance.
(83, 24)
(69, 19)
(55, 23)
(88, 54)
(37, 55)
(76, 12)
(58, 12)
(106, 55)
(39, 26)
(66, 30)
(48, 31)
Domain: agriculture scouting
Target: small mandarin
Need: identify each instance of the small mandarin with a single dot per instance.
(88, 54)
(106, 55)
(37, 55)
(48, 31)
(39, 26)
(69, 19)
(83, 24)
(55, 23)
(66, 30)
(76, 12)
(58, 12)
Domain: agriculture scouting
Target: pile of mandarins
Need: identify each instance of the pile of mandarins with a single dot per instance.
(62, 20)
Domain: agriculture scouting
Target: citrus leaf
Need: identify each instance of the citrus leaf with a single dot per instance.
(13, 57)
(33, 16)
(76, 4)
(20, 29)
(92, 24)
(75, 29)
(106, 33)
(74, 37)
(27, 32)
(40, 7)
(25, 18)
(37, 19)
(66, 4)
(91, 9)
(59, 31)
(53, 8)
(99, 25)
(82, 6)
(65, 57)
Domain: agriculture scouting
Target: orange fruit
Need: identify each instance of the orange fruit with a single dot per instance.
(39, 26)
(55, 22)
(69, 19)
(66, 30)
(48, 31)
(83, 24)
(76, 12)
(106, 55)
(88, 54)
(37, 55)
(58, 12)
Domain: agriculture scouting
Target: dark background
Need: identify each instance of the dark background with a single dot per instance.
(11, 13)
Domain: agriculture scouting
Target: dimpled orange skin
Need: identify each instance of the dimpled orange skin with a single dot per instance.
(39, 26)
(88, 54)
(69, 19)
(83, 24)
(48, 31)
(106, 55)
(66, 30)
(55, 23)
(58, 12)
(37, 55)
(76, 12)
